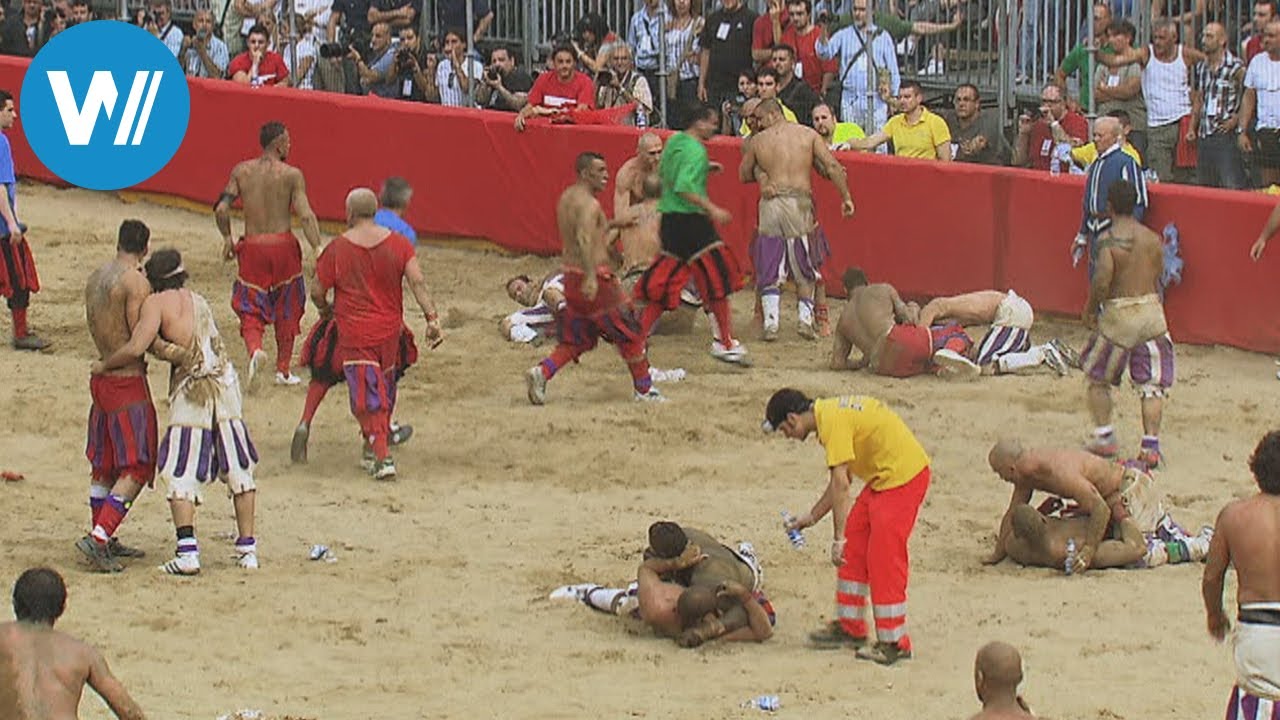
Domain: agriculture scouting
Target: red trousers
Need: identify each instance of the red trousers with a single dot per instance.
(876, 561)
(371, 374)
(269, 290)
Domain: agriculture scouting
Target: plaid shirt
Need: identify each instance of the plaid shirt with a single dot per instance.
(1220, 92)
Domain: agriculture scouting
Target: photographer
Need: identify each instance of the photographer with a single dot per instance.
(456, 71)
(414, 69)
(1039, 139)
(377, 74)
(331, 69)
(203, 54)
(620, 84)
(24, 33)
(506, 87)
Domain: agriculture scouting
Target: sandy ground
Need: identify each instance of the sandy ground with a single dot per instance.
(436, 606)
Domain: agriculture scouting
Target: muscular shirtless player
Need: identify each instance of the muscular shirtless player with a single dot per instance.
(1007, 345)
(789, 242)
(1037, 540)
(122, 418)
(639, 243)
(877, 322)
(42, 671)
(269, 289)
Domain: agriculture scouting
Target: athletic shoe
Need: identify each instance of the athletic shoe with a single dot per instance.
(298, 448)
(98, 555)
(367, 459)
(1105, 447)
(769, 334)
(832, 636)
(400, 434)
(119, 549)
(672, 375)
(806, 331)
(736, 354)
(1067, 352)
(384, 470)
(290, 379)
(248, 561)
(255, 377)
(883, 653)
(30, 342)
(954, 366)
(536, 385)
(652, 396)
(627, 605)
(571, 593)
(1198, 546)
(1054, 359)
(1150, 457)
(186, 564)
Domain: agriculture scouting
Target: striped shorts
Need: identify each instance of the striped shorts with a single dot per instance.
(1002, 340)
(1243, 706)
(1150, 364)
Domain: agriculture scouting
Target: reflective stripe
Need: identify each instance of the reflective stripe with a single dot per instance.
(884, 612)
(891, 634)
(851, 612)
(848, 587)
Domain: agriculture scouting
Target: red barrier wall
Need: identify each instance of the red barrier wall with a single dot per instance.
(929, 229)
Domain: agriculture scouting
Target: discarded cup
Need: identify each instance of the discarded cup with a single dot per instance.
(768, 703)
(319, 552)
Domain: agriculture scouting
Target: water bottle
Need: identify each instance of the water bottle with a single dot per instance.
(793, 534)
(1069, 566)
(1055, 165)
(642, 117)
(768, 703)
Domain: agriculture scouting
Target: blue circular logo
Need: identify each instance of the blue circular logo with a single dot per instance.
(104, 105)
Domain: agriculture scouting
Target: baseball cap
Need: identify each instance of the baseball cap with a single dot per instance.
(783, 403)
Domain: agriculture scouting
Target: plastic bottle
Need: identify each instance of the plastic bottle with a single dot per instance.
(768, 703)
(1055, 165)
(1069, 566)
(642, 118)
(793, 534)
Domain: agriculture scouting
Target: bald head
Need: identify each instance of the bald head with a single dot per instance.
(998, 668)
(361, 203)
(648, 141)
(1004, 454)
(750, 106)
(1213, 38)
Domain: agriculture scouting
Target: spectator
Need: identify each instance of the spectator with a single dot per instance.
(1039, 28)
(377, 74)
(916, 132)
(767, 89)
(169, 34)
(394, 199)
(683, 50)
(415, 69)
(1264, 75)
(1216, 87)
(793, 93)
(24, 33)
(848, 45)
(1077, 61)
(834, 134)
(396, 14)
(258, 66)
(506, 87)
(307, 51)
(725, 51)
(268, 22)
(204, 55)
(1166, 63)
(456, 71)
(644, 35)
(1084, 155)
(621, 84)
(81, 12)
(349, 23)
(731, 110)
(316, 14)
(331, 69)
(554, 93)
(592, 41)
(1264, 11)
(453, 14)
(1040, 142)
(976, 136)
(802, 36)
(1121, 88)
(768, 30)
(55, 23)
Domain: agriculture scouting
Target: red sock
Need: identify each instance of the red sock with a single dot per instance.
(251, 330)
(724, 320)
(316, 391)
(652, 312)
(110, 517)
(20, 323)
(284, 350)
(561, 356)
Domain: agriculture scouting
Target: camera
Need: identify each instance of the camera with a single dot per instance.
(332, 50)
(492, 74)
(605, 77)
(405, 62)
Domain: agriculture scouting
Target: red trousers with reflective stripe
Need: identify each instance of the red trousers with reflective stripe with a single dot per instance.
(875, 554)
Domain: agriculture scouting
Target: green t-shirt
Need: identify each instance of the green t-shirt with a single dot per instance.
(1078, 61)
(683, 169)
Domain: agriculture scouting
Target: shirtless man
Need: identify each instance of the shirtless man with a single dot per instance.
(596, 307)
(542, 300)
(997, 673)
(1038, 540)
(789, 242)
(878, 323)
(1247, 537)
(269, 289)
(1127, 318)
(639, 243)
(42, 671)
(1006, 347)
(206, 437)
(1103, 490)
(121, 399)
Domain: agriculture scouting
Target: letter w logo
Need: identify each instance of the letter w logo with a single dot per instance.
(79, 121)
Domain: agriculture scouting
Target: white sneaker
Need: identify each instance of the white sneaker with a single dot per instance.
(627, 605)
(248, 561)
(184, 564)
(1198, 546)
(571, 593)
(290, 379)
(523, 334)
(368, 460)
(1054, 359)
(255, 376)
(384, 470)
(953, 365)
(736, 354)
(652, 396)
(536, 385)
(672, 375)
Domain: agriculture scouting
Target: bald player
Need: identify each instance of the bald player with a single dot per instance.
(788, 242)
(997, 673)
(639, 245)
(1039, 540)
(878, 323)
(1006, 347)
(1247, 538)
(269, 289)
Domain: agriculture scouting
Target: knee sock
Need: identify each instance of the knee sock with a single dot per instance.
(558, 358)
(316, 391)
(1013, 362)
(724, 320)
(19, 323)
(246, 546)
(641, 380)
(381, 451)
(770, 305)
(97, 498)
(284, 349)
(187, 544)
(649, 318)
(251, 330)
(112, 513)
(603, 599)
(715, 329)
(804, 311)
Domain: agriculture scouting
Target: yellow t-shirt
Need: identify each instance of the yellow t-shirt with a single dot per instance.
(920, 140)
(1086, 154)
(871, 439)
(787, 115)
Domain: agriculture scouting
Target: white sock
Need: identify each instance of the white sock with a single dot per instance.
(603, 599)
(1013, 362)
(771, 306)
(804, 311)
(523, 333)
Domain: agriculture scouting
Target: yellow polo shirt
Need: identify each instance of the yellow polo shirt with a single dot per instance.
(920, 140)
(871, 439)
(1086, 154)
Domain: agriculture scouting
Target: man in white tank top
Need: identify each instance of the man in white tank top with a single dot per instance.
(1262, 101)
(1165, 65)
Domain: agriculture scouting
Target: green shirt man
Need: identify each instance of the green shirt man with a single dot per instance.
(1078, 61)
(683, 169)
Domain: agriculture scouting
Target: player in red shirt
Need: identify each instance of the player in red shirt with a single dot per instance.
(555, 93)
(365, 267)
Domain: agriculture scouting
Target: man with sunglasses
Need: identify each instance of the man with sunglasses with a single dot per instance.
(1038, 139)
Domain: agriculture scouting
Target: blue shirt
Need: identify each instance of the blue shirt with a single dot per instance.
(1111, 166)
(394, 222)
(847, 44)
(644, 35)
(7, 176)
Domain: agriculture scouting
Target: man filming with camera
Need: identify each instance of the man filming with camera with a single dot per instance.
(620, 84)
(377, 73)
(413, 69)
(1039, 138)
(506, 87)
(204, 55)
